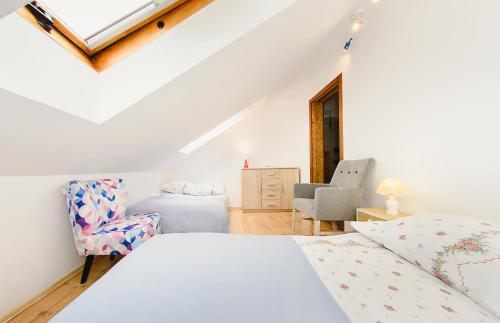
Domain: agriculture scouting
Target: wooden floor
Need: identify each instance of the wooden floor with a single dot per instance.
(241, 223)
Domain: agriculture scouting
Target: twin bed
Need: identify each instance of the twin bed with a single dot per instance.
(212, 277)
(180, 213)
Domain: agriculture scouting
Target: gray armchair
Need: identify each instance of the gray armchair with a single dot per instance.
(336, 201)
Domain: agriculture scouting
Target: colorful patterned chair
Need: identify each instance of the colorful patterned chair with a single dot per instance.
(97, 213)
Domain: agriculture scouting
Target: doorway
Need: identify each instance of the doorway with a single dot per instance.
(326, 132)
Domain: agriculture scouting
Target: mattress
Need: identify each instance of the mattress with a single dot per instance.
(196, 197)
(182, 215)
(215, 276)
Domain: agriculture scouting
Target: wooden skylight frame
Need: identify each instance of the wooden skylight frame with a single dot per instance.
(124, 43)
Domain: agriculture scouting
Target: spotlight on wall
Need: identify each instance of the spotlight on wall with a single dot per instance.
(357, 25)
(357, 21)
(348, 44)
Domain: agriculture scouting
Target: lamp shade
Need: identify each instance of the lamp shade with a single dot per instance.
(392, 186)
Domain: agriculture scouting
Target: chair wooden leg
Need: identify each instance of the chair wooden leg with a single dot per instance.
(317, 226)
(294, 213)
(86, 269)
(334, 226)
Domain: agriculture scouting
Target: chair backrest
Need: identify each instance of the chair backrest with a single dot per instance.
(352, 173)
(92, 204)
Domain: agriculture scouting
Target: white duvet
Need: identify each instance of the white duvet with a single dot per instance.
(373, 284)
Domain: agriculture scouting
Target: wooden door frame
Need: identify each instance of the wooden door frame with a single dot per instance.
(320, 97)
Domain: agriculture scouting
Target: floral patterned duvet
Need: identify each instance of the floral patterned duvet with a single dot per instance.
(373, 284)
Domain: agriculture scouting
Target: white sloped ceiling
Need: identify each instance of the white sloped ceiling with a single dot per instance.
(39, 69)
(8, 6)
(36, 139)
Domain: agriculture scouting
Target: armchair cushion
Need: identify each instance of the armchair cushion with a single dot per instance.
(333, 203)
(306, 191)
(120, 237)
(304, 205)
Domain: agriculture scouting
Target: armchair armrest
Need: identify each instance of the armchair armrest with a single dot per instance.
(337, 204)
(306, 191)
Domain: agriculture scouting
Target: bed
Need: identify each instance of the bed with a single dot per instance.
(220, 197)
(204, 277)
(183, 213)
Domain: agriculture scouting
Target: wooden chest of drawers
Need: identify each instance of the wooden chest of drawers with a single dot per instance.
(268, 188)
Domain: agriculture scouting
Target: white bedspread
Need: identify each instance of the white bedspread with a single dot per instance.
(373, 284)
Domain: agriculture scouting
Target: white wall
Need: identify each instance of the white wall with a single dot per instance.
(37, 247)
(275, 134)
(420, 96)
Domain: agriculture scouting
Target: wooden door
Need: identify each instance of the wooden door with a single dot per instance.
(251, 189)
(289, 177)
(326, 131)
(317, 152)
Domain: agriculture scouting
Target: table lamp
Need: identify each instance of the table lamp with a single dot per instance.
(392, 188)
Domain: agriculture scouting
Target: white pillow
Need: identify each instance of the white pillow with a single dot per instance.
(203, 189)
(218, 189)
(176, 187)
(461, 251)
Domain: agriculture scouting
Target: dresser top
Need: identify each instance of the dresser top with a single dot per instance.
(270, 168)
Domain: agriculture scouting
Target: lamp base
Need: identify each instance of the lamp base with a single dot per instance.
(392, 205)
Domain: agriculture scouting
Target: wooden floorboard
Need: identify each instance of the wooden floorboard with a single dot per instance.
(241, 223)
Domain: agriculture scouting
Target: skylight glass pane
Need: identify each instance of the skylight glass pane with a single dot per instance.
(86, 18)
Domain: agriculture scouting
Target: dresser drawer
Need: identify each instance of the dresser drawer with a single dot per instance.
(367, 218)
(271, 184)
(271, 174)
(271, 194)
(271, 204)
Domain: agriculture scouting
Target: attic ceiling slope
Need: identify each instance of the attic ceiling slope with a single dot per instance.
(38, 140)
(188, 44)
(9, 6)
(37, 68)
(57, 79)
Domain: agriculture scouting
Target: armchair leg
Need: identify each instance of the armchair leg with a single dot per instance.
(334, 226)
(317, 226)
(86, 269)
(294, 213)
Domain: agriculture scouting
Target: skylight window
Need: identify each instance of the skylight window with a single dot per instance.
(96, 21)
(102, 32)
